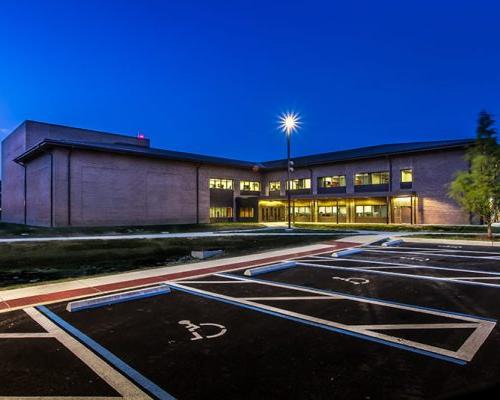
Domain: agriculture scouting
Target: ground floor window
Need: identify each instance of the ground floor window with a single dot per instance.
(331, 211)
(303, 211)
(246, 212)
(221, 212)
(375, 211)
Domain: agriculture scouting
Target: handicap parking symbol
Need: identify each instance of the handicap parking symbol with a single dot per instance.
(354, 281)
(193, 328)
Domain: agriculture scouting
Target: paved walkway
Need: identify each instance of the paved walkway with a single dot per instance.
(165, 235)
(48, 293)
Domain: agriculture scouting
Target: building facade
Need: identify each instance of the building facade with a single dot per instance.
(54, 175)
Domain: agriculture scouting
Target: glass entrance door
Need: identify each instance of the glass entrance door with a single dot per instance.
(273, 214)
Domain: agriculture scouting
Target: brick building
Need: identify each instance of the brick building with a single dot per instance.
(55, 175)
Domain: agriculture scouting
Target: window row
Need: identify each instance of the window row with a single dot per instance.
(364, 178)
(227, 184)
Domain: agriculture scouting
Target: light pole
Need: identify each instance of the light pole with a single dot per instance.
(289, 123)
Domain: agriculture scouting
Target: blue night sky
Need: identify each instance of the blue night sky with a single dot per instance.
(212, 76)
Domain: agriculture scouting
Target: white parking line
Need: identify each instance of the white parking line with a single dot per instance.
(26, 335)
(440, 249)
(117, 381)
(359, 299)
(465, 353)
(392, 265)
(292, 298)
(401, 274)
(430, 254)
(477, 277)
(417, 326)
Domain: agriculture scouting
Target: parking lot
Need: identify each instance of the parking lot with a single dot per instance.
(413, 321)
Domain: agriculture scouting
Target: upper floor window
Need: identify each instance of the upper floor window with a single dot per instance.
(332, 181)
(225, 184)
(371, 178)
(275, 186)
(407, 175)
(300, 184)
(250, 186)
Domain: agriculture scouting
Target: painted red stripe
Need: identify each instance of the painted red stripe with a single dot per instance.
(68, 294)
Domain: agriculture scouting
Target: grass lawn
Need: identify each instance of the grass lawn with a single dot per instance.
(456, 237)
(394, 228)
(17, 230)
(33, 262)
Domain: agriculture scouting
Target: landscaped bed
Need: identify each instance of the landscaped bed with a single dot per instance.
(394, 227)
(30, 262)
(17, 230)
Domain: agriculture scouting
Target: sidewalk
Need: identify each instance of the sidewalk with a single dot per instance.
(53, 292)
(165, 235)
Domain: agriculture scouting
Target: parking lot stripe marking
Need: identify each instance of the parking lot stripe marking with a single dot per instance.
(117, 381)
(57, 324)
(426, 310)
(421, 253)
(439, 249)
(391, 264)
(399, 265)
(291, 298)
(475, 341)
(401, 274)
(463, 325)
(408, 345)
(476, 277)
(26, 335)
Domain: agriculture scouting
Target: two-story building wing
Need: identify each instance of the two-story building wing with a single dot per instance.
(55, 175)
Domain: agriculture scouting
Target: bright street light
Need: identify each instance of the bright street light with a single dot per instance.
(289, 122)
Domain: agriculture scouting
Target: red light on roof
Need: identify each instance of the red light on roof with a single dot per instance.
(141, 136)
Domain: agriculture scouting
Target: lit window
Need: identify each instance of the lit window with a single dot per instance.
(372, 178)
(302, 211)
(275, 186)
(250, 186)
(332, 181)
(300, 184)
(221, 212)
(331, 211)
(225, 184)
(375, 211)
(246, 212)
(406, 175)
(325, 211)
